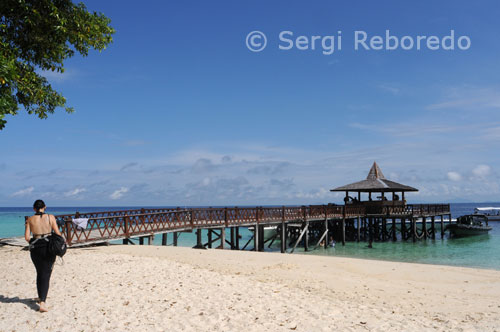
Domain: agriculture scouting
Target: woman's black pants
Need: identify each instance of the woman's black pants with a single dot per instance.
(43, 263)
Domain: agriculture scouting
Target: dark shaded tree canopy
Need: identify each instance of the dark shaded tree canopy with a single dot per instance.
(41, 34)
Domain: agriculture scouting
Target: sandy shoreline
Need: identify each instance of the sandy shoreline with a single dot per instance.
(126, 288)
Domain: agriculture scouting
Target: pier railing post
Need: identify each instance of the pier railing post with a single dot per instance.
(68, 231)
(126, 226)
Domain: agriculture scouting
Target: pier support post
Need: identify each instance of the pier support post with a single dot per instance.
(222, 238)
(433, 226)
(403, 229)
(256, 237)
(414, 229)
(283, 237)
(209, 236)
(306, 237)
(327, 240)
(343, 232)
(370, 232)
(237, 238)
(384, 229)
(231, 231)
(442, 227)
(176, 236)
(424, 227)
(141, 240)
(261, 238)
(359, 228)
(394, 235)
(164, 239)
(199, 244)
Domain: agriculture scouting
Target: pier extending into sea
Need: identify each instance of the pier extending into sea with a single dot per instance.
(362, 218)
(309, 226)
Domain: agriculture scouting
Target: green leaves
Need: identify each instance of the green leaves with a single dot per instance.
(42, 34)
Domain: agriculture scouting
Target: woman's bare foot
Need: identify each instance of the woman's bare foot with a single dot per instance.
(43, 307)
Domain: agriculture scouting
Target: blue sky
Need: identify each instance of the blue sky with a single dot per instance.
(177, 111)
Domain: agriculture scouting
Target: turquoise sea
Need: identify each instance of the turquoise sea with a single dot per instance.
(477, 251)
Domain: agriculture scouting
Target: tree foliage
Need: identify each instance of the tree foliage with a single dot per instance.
(38, 35)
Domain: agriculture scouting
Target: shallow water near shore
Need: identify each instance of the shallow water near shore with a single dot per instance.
(476, 251)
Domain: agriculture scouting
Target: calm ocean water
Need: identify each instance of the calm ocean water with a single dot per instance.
(477, 251)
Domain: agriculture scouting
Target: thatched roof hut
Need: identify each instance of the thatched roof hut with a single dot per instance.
(375, 182)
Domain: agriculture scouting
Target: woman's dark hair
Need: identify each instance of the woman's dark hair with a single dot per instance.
(38, 205)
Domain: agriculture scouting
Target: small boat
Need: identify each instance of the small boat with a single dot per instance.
(472, 224)
(492, 213)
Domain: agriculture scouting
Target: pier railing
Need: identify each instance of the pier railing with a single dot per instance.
(418, 210)
(110, 225)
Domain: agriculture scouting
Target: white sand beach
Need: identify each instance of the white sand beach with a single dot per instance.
(148, 288)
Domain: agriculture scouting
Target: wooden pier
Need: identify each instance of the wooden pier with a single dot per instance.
(308, 226)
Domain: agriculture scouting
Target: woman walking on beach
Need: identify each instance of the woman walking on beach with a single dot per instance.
(41, 226)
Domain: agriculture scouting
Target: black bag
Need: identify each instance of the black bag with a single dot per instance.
(57, 245)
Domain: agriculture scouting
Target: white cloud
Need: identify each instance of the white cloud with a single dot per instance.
(481, 171)
(74, 192)
(392, 89)
(117, 194)
(23, 192)
(55, 76)
(469, 97)
(454, 176)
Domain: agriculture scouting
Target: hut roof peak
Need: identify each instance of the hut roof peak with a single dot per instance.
(375, 172)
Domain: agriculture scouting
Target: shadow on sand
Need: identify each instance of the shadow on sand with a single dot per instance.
(29, 302)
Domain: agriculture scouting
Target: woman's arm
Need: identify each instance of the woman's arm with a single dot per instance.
(53, 224)
(27, 231)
